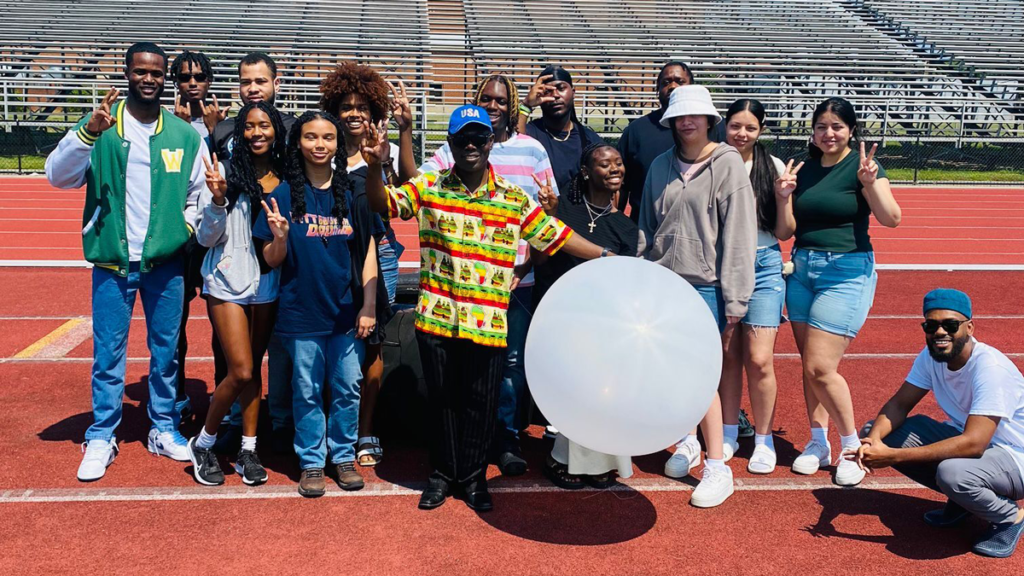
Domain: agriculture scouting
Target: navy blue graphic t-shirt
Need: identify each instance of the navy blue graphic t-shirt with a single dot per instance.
(316, 275)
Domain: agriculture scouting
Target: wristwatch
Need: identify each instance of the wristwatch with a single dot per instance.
(604, 252)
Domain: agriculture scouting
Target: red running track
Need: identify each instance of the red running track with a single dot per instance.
(980, 226)
(148, 514)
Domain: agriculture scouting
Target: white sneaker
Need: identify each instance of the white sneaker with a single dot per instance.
(762, 461)
(714, 488)
(848, 473)
(550, 432)
(814, 456)
(170, 444)
(686, 458)
(98, 455)
(729, 448)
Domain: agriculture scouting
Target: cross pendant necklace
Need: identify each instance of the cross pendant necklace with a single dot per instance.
(592, 225)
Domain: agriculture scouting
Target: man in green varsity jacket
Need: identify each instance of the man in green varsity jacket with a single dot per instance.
(143, 171)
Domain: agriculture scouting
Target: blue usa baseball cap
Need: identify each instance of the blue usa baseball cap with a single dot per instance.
(469, 114)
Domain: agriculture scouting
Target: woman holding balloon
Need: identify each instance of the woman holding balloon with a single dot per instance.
(753, 348)
(698, 218)
(832, 287)
(589, 209)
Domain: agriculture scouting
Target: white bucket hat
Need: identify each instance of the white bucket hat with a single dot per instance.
(690, 100)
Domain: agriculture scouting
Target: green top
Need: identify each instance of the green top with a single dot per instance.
(831, 212)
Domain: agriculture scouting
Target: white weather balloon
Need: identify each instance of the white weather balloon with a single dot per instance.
(623, 356)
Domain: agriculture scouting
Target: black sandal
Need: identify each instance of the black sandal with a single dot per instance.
(599, 481)
(559, 475)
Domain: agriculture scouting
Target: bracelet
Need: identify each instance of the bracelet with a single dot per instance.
(525, 110)
(388, 164)
(604, 252)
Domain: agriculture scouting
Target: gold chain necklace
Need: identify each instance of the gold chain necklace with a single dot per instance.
(556, 138)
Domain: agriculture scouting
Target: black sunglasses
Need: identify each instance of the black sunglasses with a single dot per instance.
(462, 140)
(949, 326)
(182, 78)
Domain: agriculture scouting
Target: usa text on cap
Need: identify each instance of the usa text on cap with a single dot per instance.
(469, 114)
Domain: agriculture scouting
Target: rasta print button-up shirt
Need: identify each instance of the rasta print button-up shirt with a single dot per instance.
(468, 246)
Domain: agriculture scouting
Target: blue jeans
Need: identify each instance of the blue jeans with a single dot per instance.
(339, 359)
(389, 254)
(712, 296)
(113, 298)
(513, 381)
(765, 306)
(279, 384)
(831, 291)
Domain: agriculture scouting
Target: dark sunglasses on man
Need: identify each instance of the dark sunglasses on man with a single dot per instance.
(950, 326)
(183, 78)
(479, 139)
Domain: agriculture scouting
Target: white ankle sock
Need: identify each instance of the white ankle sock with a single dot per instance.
(732, 432)
(205, 440)
(249, 443)
(820, 434)
(851, 441)
(765, 440)
(714, 463)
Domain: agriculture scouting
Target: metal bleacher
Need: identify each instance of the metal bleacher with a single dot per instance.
(986, 37)
(58, 57)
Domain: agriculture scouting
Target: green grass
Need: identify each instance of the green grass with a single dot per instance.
(28, 163)
(940, 175)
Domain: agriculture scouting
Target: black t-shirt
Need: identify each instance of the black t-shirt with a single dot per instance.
(614, 231)
(222, 134)
(642, 141)
(564, 156)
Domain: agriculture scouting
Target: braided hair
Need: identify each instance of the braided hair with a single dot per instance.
(189, 57)
(243, 179)
(578, 187)
(762, 174)
(297, 174)
(513, 99)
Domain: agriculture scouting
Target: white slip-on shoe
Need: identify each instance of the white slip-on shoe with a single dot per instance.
(170, 444)
(686, 458)
(762, 461)
(814, 456)
(848, 473)
(99, 454)
(715, 487)
(729, 448)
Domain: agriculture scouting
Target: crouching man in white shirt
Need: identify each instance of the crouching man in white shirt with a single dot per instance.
(976, 458)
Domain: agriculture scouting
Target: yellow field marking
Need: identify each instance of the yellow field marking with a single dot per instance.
(50, 338)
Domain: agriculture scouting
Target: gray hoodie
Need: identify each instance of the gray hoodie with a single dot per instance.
(230, 270)
(705, 230)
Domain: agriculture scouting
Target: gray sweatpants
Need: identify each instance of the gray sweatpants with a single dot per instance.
(987, 487)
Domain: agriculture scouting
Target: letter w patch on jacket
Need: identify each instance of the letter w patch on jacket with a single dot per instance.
(172, 159)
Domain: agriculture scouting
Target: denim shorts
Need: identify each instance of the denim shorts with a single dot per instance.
(831, 291)
(765, 307)
(389, 252)
(712, 296)
(267, 292)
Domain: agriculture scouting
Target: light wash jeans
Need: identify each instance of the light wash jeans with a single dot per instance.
(113, 298)
(338, 359)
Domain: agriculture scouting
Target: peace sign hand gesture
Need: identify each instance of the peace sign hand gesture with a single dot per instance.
(401, 110)
(213, 115)
(546, 196)
(785, 184)
(868, 171)
(540, 93)
(101, 119)
(278, 224)
(215, 181)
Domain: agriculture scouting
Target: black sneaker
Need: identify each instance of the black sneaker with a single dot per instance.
(249, 468)
(746, 429)
(205, 467)
(511, 464)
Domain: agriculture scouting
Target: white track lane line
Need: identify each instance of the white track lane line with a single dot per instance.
(499, 486)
